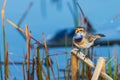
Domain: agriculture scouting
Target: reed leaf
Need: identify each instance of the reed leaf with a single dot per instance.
(44, 73)
(47, 57)
(115, 66)
(109, 64)
(48, 60)
(4, 42)
(39, 67)
(3, 12)
(21, 30)
(6, 63)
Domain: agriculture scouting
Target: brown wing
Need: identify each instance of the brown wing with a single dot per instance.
(90, 37)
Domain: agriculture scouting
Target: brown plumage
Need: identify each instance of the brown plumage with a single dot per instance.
(87, 38)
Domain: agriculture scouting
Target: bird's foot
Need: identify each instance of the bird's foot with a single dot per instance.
(78, 51)
(85, 56)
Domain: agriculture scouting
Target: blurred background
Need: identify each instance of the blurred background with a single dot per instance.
(56, 18)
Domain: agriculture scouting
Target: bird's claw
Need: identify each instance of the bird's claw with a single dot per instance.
(85, 56)
(78, 51)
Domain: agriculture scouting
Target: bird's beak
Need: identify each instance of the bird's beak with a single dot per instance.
(77, 31)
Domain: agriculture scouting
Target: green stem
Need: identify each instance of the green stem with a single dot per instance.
(39, 67)
(109, 64)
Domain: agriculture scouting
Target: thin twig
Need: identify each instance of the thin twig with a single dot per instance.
(25, 13)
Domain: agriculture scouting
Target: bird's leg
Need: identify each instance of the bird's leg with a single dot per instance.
(87, 53)
(78, 51)
(84, 52)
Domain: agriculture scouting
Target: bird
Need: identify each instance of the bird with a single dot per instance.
(83, 40)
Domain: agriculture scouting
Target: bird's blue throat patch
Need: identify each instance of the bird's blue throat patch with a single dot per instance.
(77, 37)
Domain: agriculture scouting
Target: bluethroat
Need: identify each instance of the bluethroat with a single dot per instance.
(82, 39)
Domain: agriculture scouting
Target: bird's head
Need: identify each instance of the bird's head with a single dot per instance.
(80, 30)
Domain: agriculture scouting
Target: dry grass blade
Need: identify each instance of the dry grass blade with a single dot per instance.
(3, 11)
(44, 73)
(46, 50)
(17, 27)
(14, 25)
(28, 51)
(48, 60)
(51, 68)
(45, 44)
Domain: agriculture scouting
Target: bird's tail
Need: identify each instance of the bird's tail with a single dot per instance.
(99, 35)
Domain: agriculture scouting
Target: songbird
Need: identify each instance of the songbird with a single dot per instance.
(83, 39)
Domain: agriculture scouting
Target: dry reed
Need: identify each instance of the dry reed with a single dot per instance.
(28, 52)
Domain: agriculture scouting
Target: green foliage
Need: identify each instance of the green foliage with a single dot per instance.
(115, 69)
(115, 66)
(109, 64)
(39, 67)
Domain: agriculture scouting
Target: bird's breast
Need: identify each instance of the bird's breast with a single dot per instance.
(77, 37)
(84, 43)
